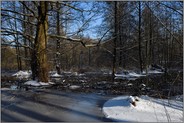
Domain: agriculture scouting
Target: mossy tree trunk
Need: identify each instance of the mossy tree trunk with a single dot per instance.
(39, 58)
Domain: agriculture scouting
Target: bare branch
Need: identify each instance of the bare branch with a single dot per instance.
(28, 8)
(65, 4)
(164, 25)
(170, 8)
(67, 38)
(6, 10)
(26, 46)
(35, 3)
(8, 32)
(18, 19)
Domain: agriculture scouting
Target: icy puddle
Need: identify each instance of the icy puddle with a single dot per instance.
(51, 106)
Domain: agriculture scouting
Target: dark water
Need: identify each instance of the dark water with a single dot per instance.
(155, 85)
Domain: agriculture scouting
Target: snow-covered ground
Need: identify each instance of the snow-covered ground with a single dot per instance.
(36, 83)
(131, 75)
(128, 75)
(22, 74)
(56, 75)
(147, 109)
(73, 87)
(153, 72)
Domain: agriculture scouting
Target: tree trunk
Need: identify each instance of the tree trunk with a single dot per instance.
(150, 38)
(19, 62)
(58, 68)
(140, 56)
(39, 57)
(115, 39)
(25, 41)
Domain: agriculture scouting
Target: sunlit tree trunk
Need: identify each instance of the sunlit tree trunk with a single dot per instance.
(40, 70)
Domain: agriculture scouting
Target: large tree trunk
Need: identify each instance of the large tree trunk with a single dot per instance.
(39, 57)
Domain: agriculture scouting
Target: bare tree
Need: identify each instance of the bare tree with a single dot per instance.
(140, 55)
(115, 39)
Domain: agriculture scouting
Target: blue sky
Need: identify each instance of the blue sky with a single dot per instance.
(95, 21)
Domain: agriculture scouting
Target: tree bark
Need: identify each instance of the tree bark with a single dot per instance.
(40, 68)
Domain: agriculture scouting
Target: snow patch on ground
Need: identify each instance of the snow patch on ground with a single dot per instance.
(133, 76)
(4, 89)
(153, 72)
(56, 75)
(22, 74)
(36, 83)
(33, 83)
(129, 75)
(147, 109)
(74, 87)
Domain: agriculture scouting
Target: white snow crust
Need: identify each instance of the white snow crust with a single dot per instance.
(147, 109)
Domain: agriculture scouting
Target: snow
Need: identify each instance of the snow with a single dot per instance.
(36, 83)
(83, 81)
(43, 83)
(74, 87)
(153, 72)
(133, 76)
(81, 74)
(129, 75)
(123, 78)
(13, 87)
(147, 109)
(5, 89)
(22, 74)
(131, 99)
(56, 75)
(33, 83)
(51, 83)
(129, 84)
